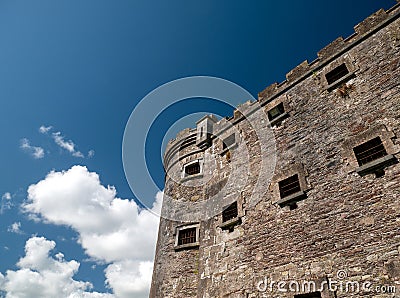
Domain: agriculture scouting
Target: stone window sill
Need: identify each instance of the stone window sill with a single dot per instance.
(293, 198)
(376, 165)
(190, 177)
(230, 223)
(233, 146)
(278, 119)
(187, 246)
(342, 80)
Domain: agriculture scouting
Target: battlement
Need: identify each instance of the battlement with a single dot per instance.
(304, 70)
(361, 31)
(299, 185)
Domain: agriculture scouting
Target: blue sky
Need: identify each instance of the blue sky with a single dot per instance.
(77, 69)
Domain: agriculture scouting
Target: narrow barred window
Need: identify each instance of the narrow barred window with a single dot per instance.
(230, 212)
(289, 186)
(369, 151)
(336, 73)
(229, 141)
(275, 112)
(187, 236)
(192, 169)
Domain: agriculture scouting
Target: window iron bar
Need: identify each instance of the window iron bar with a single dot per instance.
(289, 186)
(192, 169)
(230, 212)
(336, 73)
(187, 236)
(369, 151)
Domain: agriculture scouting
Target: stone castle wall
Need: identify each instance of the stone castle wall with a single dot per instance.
(347, 222)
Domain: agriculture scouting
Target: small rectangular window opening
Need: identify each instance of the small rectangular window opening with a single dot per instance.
(229, 141)
(369, 151)
(187, 236)
(201, 131)
(309, 295)
(192, 169)
(276, 112)
(289, 186)
(336, 73)
(230, 212)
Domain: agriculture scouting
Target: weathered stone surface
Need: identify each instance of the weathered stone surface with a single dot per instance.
(332, 48)
(370, 22)
(347, 224)
(298, 71)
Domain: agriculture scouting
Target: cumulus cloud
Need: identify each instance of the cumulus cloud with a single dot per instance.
(6, 196)
(90, 153)
(67, 145)
(15, 228)
(36, 152)
(64, 144)
(40, 275)
(45, 129)
(110, 229)
(5, 202)
(129, 277)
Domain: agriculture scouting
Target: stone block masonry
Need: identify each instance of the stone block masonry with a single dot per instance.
(337, 228)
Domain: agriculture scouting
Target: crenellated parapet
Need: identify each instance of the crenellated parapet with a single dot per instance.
(361, 31)
(213, 128)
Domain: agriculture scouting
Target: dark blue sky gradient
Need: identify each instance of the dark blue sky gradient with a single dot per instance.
(82, 66)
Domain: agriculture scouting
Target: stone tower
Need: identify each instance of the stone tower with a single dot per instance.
(327, 223)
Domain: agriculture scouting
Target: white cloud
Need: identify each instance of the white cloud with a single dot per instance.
(45, 129)
(90, 153)
(130, 277)
(5, 202)
(36, 152)
(60, 141)
(67, 145)
(15, 228)
(111, 229)
(6, 196)
(40, 275)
